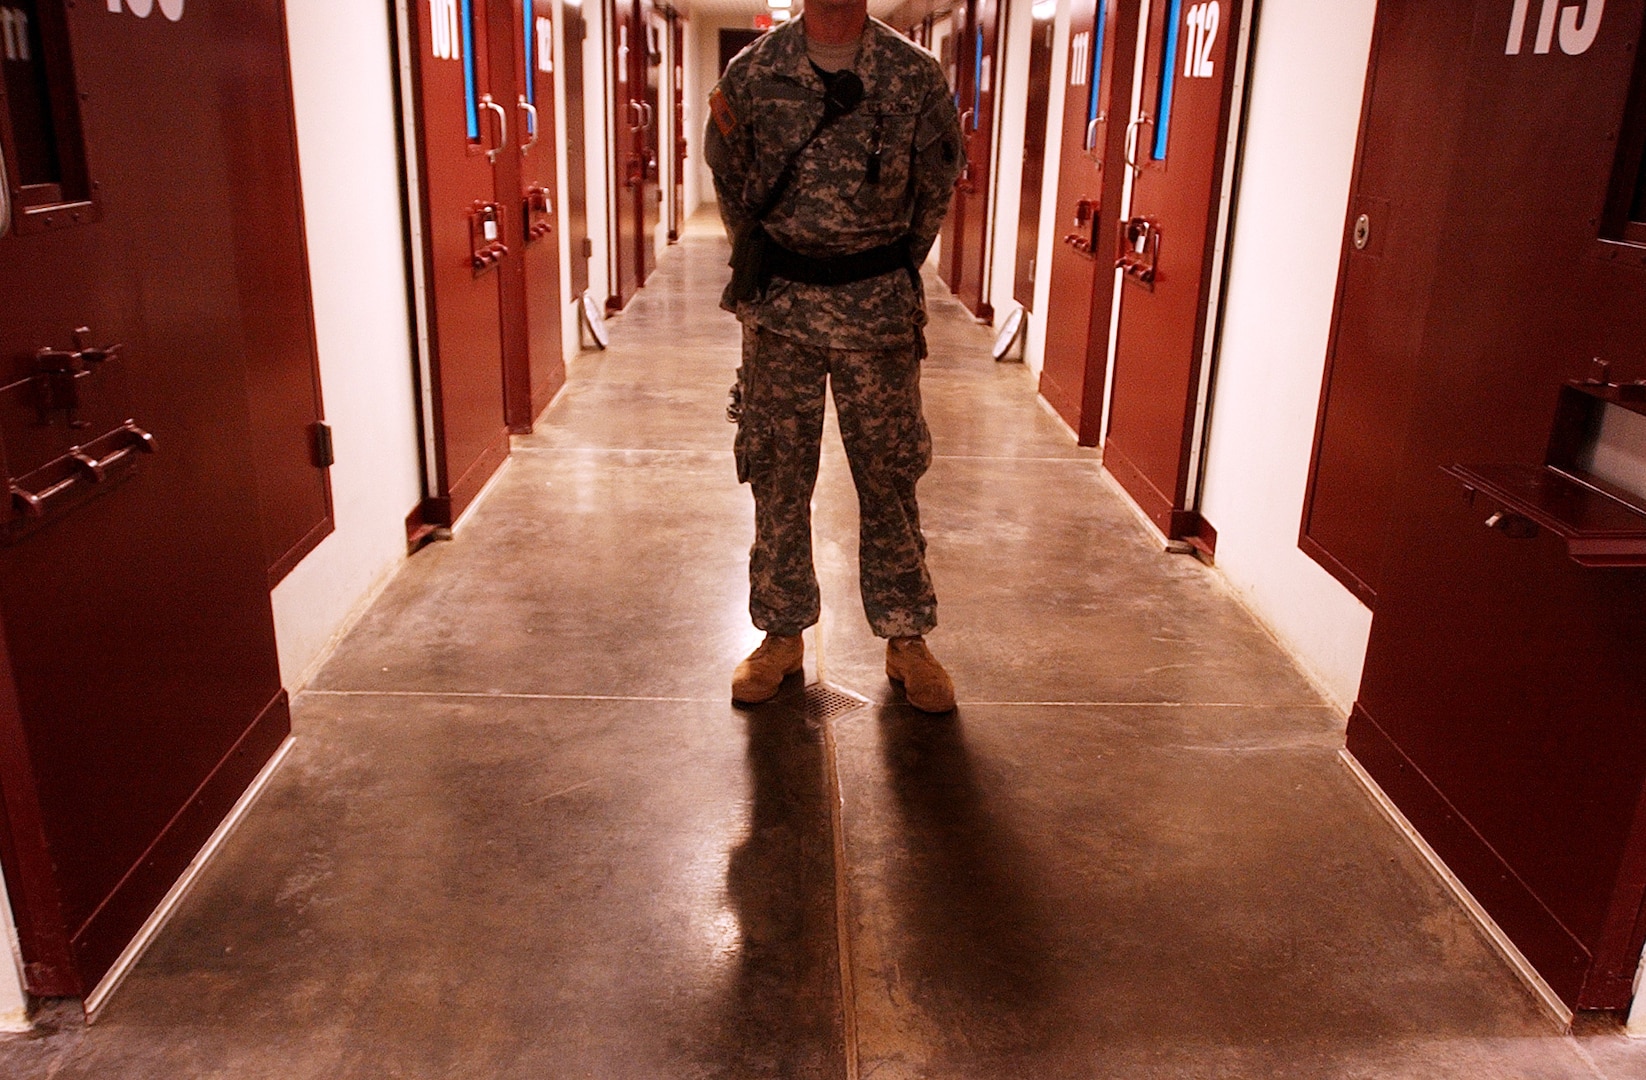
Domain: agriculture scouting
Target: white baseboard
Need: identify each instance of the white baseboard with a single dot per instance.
(1540, 989)
(99, 997)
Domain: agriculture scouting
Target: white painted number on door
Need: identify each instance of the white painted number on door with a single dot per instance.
(446, 37)
(545, 44)
(1201, 24)
(14, 27)
(1579, 25)
(1079, 67)
(171, 9)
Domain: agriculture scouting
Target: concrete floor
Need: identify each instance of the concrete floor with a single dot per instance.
(524, 833)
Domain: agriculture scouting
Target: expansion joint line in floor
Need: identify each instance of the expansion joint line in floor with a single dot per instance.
(842, 898)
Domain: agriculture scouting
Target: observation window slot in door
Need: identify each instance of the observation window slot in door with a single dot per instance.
(40, 131)
(1625, 219)
(471, 74)
(1094, 93)
(1168, 81)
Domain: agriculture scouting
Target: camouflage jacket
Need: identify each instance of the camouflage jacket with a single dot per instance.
(765, 106)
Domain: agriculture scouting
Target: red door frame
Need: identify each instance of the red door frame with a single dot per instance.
(1171, 252)
(1091, 182)
(461, 265)
(140, 689)
(1504, 695)
(979, 45)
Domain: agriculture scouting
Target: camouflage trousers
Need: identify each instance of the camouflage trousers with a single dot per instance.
(888, 446)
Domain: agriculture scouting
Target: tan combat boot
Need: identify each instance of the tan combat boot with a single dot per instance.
(758, 677)
(925, 683)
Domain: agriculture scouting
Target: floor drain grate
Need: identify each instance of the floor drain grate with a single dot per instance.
(824, 702)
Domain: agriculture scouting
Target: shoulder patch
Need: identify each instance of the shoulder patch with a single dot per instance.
(721, 109)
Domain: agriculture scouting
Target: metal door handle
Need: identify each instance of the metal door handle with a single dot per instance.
(635, 115)
(1133, 130)
(487, 102)
(531, 114)
(646, 114)
(1091, 132)
(5, 197)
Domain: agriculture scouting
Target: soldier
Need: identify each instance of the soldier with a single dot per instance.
(835, 146)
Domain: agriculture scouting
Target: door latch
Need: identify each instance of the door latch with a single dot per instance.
(539, 207)
(1139, 253)
(58, 373)
(1084, 239)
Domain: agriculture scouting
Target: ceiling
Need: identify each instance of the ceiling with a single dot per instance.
(751, 8)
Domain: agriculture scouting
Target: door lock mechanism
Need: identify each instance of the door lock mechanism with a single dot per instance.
(1363, 232)
(58, 373)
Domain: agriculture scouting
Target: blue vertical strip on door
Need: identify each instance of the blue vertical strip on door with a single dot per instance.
(1168, 79)
(531, 51)
(977, 78)
(1094, 95)
(471, 74)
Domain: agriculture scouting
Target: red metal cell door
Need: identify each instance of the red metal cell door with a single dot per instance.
(966, 242)
(1042, 34)
(1391, 251)
(139, 686)
(538, 369)
(1503, 706)
(649, 193)
(633, 122)
(1178, 144)
(677, 99)
(469, 228)
(1091, 180)
(574, 30)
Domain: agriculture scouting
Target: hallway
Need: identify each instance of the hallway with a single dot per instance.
(523, 832)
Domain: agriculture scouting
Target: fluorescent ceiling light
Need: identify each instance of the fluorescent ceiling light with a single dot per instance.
(780, 15)
(780, 5)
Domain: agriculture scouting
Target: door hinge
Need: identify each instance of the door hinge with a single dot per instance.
(320, 433)
(588, 247)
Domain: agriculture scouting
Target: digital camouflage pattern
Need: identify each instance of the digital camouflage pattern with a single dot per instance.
(862, 338)
(877, 398)
(763, 109)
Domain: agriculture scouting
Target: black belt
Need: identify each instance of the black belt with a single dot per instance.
(779, 261)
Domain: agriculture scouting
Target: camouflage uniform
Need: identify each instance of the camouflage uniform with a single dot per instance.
(863, 338)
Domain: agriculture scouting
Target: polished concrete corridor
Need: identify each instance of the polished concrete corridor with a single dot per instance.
(524, 833)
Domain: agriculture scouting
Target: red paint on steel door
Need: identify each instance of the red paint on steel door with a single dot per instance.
(574, 30)
(677, 99)
(464, 137)
(650, 151)
(1391, 251)
(1091, 178)
(966, 243)
(1034, 156)
(537, 370)
(139, 685)
(634, 196)
(1180, 145)
(1504, 696)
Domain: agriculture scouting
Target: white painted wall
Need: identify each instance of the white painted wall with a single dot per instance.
(1012, 78)
(1034, 343)
(1306, 92)
(14, 1008)
(694, 96)
(703, 32)
(570, 329)
(351, 198)
(598, 150)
